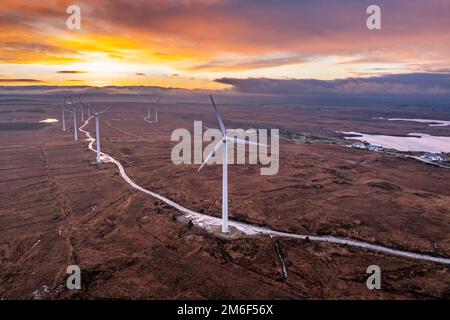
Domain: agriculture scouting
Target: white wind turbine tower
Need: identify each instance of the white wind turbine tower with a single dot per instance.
(148, 106)
(82, 109)
(75, 127)
(223, 144)
(82, 112)
(63, 118)
(97, 132)
(64, 112)
(156, 108)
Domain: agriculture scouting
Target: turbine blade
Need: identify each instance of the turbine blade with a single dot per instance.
(241, 141)
(219, 119)
(216, 148)
(104, 111)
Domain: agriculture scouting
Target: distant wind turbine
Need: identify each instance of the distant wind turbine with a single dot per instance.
(63, 119)
(75, 127)
(218, 145)
(64, 112)
(97, 132)
(158, 98)
(149, 103)
(82, 109)
(149, 99)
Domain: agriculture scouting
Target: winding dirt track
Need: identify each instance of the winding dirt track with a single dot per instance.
(209, 222)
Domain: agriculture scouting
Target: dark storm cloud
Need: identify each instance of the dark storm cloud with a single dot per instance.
(431, 89)
(399, 84)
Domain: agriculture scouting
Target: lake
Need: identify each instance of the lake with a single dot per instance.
(412, 142)
(49, 120)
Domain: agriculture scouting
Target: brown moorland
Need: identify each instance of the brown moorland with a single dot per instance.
(58, 208)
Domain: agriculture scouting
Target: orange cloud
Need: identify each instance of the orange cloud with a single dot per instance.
(204, 39)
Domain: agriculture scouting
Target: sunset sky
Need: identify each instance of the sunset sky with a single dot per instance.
(190, 43)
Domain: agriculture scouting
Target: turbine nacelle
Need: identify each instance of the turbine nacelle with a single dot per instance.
(100, 113)
(67, 100)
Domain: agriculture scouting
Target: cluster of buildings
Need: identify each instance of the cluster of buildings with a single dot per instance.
(427, 156)
(366, 146)
(434, 157)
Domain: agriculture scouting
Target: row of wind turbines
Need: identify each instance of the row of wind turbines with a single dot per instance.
(69, 101)
(149, 103)
(221, 144)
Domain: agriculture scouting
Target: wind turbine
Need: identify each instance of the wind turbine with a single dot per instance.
(218, 145)
(75, 127)
(149, 103)
(97, 132)
(63, 119)
(82, 109)
(158, 98)
(149, 98)
(64, 113)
